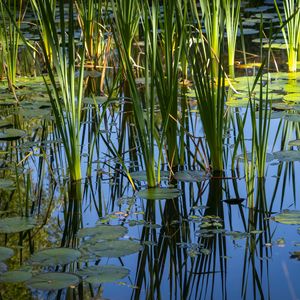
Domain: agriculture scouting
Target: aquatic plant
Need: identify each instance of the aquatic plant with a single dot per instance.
(90, 22)
(211, 96)
(65, 90)
(290, 25)
(232, 18)
(10, 33)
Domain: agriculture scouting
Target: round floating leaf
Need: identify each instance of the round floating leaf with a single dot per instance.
(159, 193)
(16, 224)
(142, 175)
(103, 232)
(101, 274)
(114, 248)
(6, 253)
(293, 97)
(287, 155)
(15, 276)
(191, 176)
(94, 100)
(292, 117)
(53, 281)
(6, 183)
(55, 256)
(294, 143)
(11, 134)
(291, 217)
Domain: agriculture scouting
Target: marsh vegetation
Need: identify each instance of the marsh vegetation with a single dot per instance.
(149, 149)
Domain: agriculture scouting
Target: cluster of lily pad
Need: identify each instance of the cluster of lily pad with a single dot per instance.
(96, 242)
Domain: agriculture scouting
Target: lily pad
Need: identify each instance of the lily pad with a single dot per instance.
(6, 253)
(114, 248)
(103, 232)
(142, 175)
(295, 143)
(292, 117)
(7, 184)
(291, 217)
(191, 176)
(293, 97)
(101, 274)
(55, 256)
(287, 155)
(53, 281)
(15, 276)
(159, 193)
(11, 134)
(16, 224)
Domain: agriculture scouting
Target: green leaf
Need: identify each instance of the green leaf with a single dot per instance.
(55, 256)
(191, 176)
(6, 253)
(16, 224)
(114, 248)
(53, 281)
(291, 217)
(103, 232)
(101, 274)
(15, 276)
(159, 193)
(287, 155)
(11, 134)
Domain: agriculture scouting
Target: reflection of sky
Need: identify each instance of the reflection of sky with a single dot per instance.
(277, 273)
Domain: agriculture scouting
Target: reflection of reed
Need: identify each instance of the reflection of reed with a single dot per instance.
(189, 276)
(258, 221)
(206, 267)
(72, 215)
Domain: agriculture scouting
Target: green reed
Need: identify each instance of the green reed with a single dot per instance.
(290, 26)
(211, 96)
(12, 9)
(232, 18)
(92, 27)
(65, 90)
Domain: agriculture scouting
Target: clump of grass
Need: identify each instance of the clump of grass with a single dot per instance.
(290, 29)
(65, 90)
(10, 33)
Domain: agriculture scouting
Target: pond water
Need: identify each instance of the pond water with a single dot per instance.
(221, 235)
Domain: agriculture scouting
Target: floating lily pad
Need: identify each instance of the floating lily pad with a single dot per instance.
(191, 176)
(114, 248)
(293, 97)
(101, 274)
(15, 276)
(6, 253)
(94, 100)
(295, 143)
(55, 256)
(142, 175)
(53, 281)
(159, 193)
(7, 184)
(16, 224)
(292, 117)
(11, 134)
(287, 155)
(103, 232)
(291, 217)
